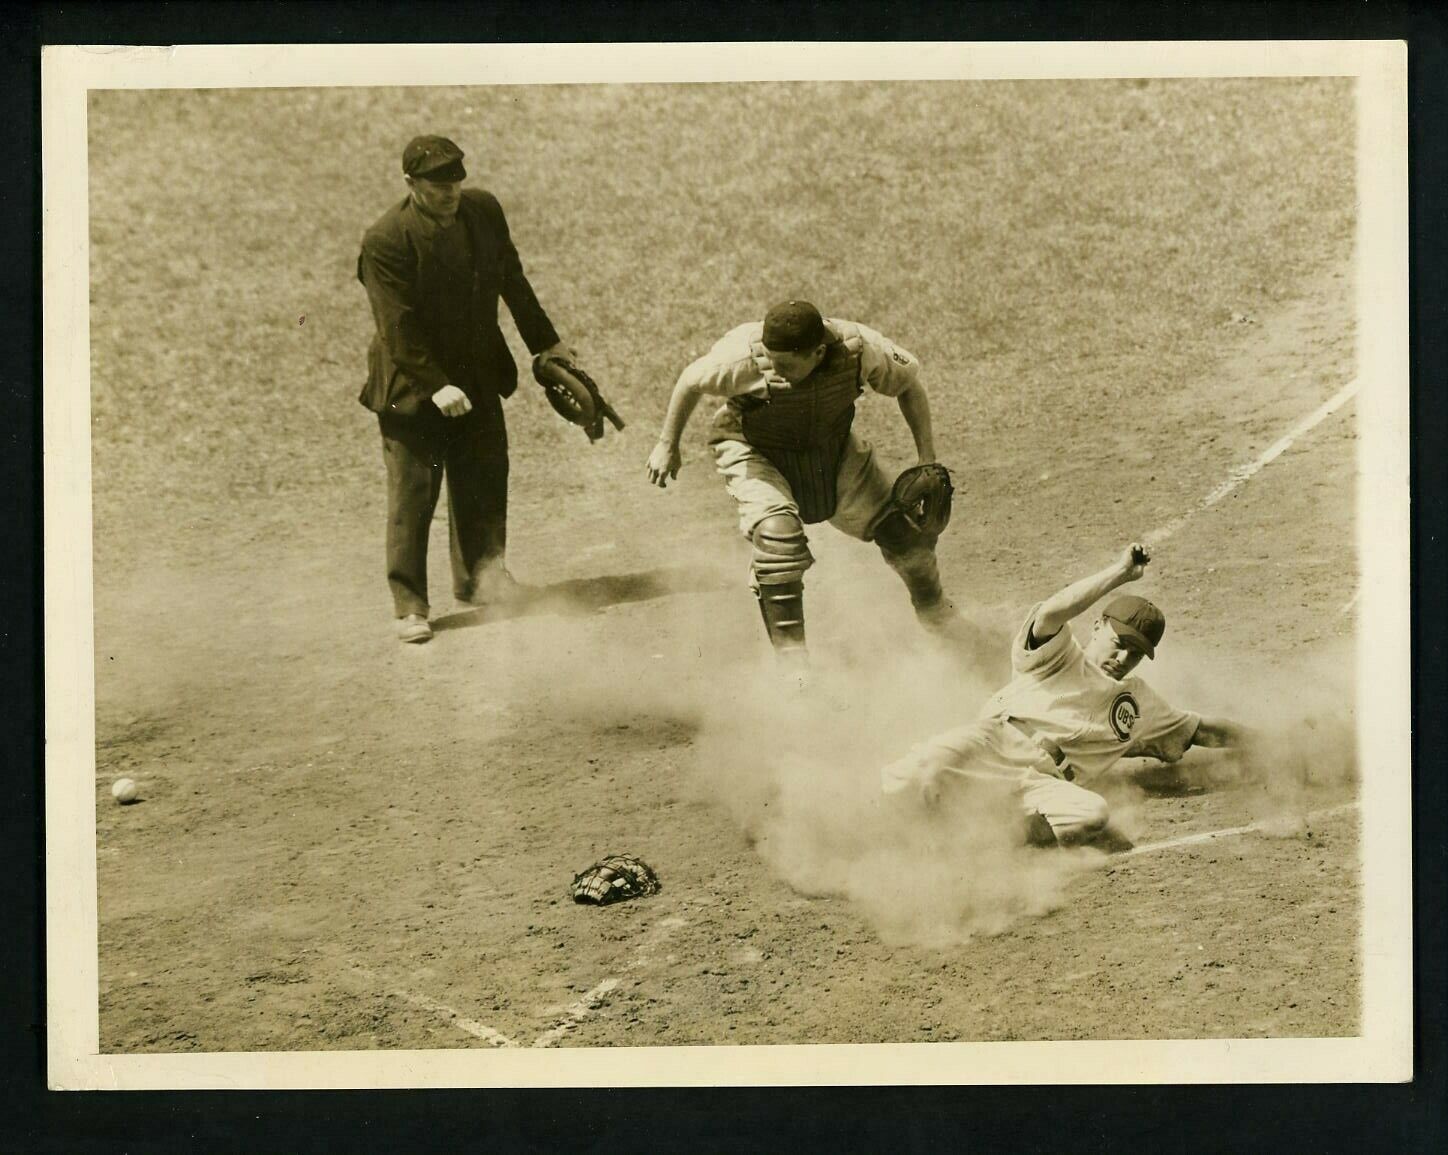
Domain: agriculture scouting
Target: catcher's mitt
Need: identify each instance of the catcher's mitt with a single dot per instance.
(574, 395)
(613, 879)
(922, 496)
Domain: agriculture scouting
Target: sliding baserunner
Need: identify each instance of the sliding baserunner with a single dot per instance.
(1070, 713)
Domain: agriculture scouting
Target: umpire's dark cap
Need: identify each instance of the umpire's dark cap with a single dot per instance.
(1139, 623)
(794, 326)
(433, 158)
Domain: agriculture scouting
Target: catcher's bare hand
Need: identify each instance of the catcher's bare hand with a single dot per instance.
(1134, 560)
(452, 401)
(664, 463)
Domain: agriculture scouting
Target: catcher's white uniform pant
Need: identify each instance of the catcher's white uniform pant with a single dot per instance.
(991, 755)
(759, 489)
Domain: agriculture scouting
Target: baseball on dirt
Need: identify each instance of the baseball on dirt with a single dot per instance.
(124, 791)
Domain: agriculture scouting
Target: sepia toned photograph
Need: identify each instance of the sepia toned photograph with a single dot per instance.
(699, 562)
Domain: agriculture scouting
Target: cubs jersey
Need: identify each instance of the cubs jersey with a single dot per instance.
(1095, 719)
(1059, 695)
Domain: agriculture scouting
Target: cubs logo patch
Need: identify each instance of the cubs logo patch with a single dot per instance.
(1123, 716)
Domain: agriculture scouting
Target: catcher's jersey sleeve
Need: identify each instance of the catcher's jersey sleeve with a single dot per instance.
(728, 369)
(887, 368)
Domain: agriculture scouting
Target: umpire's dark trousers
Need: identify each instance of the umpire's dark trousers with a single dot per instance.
(472, 451)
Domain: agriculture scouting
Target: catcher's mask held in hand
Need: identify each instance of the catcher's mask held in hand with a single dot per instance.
(613, 879)
(921, 495)
(574, 395)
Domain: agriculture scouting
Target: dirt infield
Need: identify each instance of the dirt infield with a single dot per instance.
(347, 843)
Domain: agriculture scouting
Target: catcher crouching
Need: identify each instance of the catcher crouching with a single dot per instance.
(784, 443)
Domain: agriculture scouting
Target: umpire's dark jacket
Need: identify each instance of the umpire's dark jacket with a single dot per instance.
(411, 358)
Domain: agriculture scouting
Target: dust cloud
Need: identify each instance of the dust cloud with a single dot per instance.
(1303, 752)
(798, 768)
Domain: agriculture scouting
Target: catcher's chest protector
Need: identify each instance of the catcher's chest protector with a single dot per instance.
(803, 429)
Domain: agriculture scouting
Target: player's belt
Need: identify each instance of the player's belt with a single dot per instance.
(1052, 749)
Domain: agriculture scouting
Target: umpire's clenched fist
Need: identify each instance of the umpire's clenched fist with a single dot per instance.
(452, 401)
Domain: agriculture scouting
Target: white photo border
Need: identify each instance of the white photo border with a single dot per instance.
(1384, 1050)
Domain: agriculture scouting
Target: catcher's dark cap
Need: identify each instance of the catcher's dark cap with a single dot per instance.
(433, 158)
(793, 326)
(1139, 623)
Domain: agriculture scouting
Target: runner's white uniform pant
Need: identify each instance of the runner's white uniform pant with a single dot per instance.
(992, 755)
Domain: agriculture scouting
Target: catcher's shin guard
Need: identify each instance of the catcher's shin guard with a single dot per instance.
(912, 555)
(781, 555)
(782, 607)
(907, 554)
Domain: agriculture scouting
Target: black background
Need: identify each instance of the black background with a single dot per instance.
(1291, 1118)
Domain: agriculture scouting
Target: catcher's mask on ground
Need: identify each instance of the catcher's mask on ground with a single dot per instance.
(614, 879)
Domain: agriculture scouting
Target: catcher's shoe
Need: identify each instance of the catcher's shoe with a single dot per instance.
(413, 628)
(792, 662)
(953, 630)
(945, 622)
(939, 616)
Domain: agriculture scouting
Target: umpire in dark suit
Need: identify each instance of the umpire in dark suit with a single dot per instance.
(434, 267)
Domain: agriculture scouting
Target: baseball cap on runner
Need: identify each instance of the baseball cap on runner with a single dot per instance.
(433, 158)
(1139, 623)
(793, 326)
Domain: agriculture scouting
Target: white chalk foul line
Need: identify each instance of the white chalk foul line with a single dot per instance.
(577, 1012)
(476, 1029)
(574, 1014)
(1242, 472)
(1229, 832)
(592, 1000)
(462, 1022)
